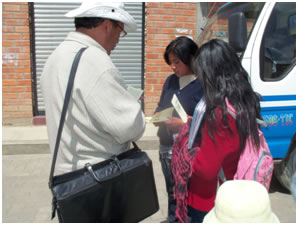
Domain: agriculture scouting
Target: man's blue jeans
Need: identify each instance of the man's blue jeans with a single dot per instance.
(165, 157)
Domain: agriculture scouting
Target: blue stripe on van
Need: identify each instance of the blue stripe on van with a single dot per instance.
(275, 98)
(278, 108)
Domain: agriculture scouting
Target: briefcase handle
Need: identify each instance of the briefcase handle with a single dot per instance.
(114, 160)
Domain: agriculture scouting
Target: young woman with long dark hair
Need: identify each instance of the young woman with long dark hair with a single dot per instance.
(221, 137)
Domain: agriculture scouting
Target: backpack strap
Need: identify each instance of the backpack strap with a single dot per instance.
(221, 175)
(232, 112)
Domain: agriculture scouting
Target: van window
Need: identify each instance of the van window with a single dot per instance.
(217, 26)
(278, 47)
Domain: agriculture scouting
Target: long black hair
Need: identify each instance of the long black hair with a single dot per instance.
(222, 76)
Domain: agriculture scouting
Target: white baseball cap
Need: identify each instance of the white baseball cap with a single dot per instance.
(241, 201)
(108, 10)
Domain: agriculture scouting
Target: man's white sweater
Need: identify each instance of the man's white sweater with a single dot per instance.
(102, 117)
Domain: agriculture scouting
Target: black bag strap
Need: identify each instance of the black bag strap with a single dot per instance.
(64, 109)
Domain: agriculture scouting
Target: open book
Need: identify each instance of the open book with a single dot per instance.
(162, 115)
(168, 112)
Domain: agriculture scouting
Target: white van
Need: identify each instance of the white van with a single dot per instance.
(264, 36)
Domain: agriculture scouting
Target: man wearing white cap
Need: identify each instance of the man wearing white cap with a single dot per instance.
(102, 117)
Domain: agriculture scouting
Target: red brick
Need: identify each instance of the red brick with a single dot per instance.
(162, 37)
(168, 18)
(182, 18)
(154, 17)
(16, 89)
(22, 43)
(9, 82)
(152, 56)
(21, 29)
(22, 56)
(153, 4)
(152, 68)
(27, 89)
(7, 69)
(10, 108)
(176, 12)
(168, 4)
(26, 49)
(7, 43)
(161, 11)
(153, 43)
(168, 30)
(152, 30)
(152, 81)
(23, 69)
(21, 15)
(7, 29)
(25, 108)
(189, 13)
(161, 24)
(5, 89)
(11, 22)
(24, 7)
(183, 5)
(10, 7)
(14, 76)
(24, 82)
(27, 95)
(9, 95)
(15, 50)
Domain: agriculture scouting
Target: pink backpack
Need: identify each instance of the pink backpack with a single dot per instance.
(254, 164)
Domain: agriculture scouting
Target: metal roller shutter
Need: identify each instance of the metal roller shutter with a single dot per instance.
(51, 27)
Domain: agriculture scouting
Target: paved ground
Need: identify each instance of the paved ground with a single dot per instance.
(25, 169)
(26, 197)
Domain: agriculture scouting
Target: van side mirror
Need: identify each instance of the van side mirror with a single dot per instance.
(238, 31)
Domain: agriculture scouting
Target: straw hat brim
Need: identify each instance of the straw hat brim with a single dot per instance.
(106, 12)
(212, 218)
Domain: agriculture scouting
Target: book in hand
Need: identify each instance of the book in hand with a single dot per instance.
(162, 115)
(135, 92)
(179, 108)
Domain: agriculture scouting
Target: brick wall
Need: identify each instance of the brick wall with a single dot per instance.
(164, 22)
(16, 65)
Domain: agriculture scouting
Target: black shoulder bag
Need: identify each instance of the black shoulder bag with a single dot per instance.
(120, 189)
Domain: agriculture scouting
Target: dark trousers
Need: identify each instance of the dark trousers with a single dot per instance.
(165, 157)
(195, 216)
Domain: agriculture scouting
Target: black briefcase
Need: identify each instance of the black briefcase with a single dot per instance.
(116, 190)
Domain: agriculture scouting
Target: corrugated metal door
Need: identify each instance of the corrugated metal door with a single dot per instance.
(51, 28)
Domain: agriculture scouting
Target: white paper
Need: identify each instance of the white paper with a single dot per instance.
(179, 109)
(135, 92)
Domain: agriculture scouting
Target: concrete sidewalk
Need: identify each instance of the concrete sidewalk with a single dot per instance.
(26, 163)
(38, 134)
